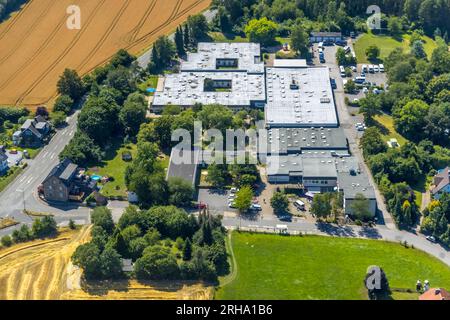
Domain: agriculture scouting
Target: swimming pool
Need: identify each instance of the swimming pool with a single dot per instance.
(95, 177)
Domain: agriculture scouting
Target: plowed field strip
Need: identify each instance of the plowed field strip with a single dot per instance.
(15, 18)
(29, 31)
(105, 35)
(62, 55)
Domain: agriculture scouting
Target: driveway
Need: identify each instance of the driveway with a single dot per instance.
(347, 123)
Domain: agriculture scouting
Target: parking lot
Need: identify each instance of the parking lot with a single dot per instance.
(14, 158)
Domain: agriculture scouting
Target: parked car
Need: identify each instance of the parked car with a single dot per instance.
(376, 68)
(333, 83)
(341, 43)
(26, 154)
(381, 67)
(231, 204)
(233, 190)
(431, 239)
(255, 207)
(13, 151)
(354, 69)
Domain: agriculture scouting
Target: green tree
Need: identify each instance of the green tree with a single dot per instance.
(110, 263)
(217, 175)
(87, 257)
(198, 27)
(179, 42)
(372, 143)
(395, 26)
(44, 227)
(102, 217)
(70, 84)
(261, 31)
(63, 103)
(132, 115)
(300, 40)
(58, 118)
(187, 250)
(418, 50)
(350, 86)
(370, 107)
(181, 192)
(6, 241)
(157, 263)
(244, 199)
(81, 150)
(410, 119)
(321, 205)
(279, 202)
(372, 52)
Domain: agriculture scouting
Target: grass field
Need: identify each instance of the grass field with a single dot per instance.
(9, 177)
(113, 166)
(151, 82)
(385, 123)
(387, 44)
(42, 270)
(37, 45)
(313, 267)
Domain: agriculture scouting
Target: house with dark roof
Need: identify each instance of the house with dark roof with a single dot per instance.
(441, 182)
(325, 36)
(60, 183)
(184, 164)
(32, 133)
(3, 163)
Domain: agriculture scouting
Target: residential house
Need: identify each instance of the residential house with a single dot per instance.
(60, 183)
(441, 182)
(3, 163)
(32, 133)
(325, 36)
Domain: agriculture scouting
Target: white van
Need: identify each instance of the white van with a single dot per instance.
(381, 67)
(320, 46)
(299, 204)
(342, 70)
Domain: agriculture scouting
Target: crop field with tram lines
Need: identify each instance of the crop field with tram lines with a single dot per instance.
(36, 45)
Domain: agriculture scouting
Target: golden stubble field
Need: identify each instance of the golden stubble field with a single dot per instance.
(41, 270)
(36, 45)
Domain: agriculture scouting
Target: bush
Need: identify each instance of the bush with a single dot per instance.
(6, 241)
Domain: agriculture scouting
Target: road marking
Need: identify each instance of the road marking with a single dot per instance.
(52, 156)
(29, 180)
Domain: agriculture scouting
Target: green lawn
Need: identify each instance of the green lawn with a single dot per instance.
(9, 177)
(113, 166)
(151, 82)
(385, 123)
(387, 44)
(221, 37)
(313, 267)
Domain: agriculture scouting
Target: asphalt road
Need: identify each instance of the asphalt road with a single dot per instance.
(22, 192)
(347, 123)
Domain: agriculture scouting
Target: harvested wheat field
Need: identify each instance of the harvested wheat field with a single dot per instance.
(42, 270)
(36, 45)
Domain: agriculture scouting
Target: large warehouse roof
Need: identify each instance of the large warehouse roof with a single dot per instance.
(187, 88)
(299, 97)
(247, 54)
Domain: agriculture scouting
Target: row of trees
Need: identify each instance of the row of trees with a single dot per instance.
(436, 219)
(40, 229)
(333, 15)
(114, 107)
(164, 243)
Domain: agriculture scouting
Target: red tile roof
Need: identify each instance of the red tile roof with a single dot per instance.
(435, 294)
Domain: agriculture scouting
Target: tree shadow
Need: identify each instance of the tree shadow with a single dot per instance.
(336, 231)
(383, 129)
(102, 287)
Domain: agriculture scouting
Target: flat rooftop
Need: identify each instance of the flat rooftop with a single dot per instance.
(297, 140)
(187, 88)
(311, 104)
(184, 164)
(297, 165)
(319, 168)
(352, 179)
(248, 55)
